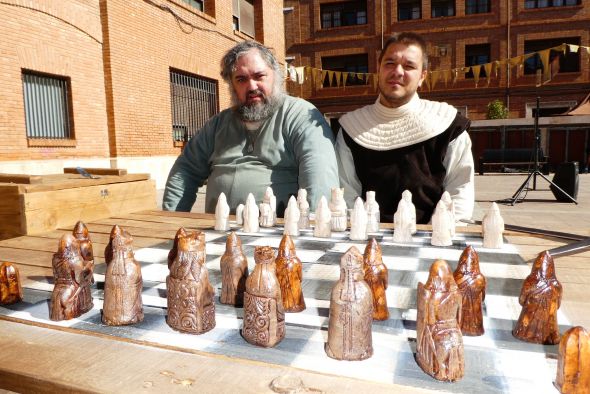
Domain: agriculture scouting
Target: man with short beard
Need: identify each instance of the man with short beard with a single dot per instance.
(266, 138)
(402, 142)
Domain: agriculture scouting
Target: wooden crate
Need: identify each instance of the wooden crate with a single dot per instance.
(39, 203)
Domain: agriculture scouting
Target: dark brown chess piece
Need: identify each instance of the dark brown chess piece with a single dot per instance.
(234, 272)
(80, 232)
(540, 298)
(290, 275)
(376, 276)
(191, 298)
(573, 364)
(351, 312)
(439, 342)
(174, 251)
(264, 319)
(10, 288)
(472, 285)
(71, 275)
(123, 283)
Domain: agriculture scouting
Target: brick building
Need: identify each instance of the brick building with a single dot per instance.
(117, 83)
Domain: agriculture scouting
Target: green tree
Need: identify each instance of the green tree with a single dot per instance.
(497, 110)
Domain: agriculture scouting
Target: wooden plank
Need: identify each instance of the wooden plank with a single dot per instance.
(21, 178)
(70, 181)
(97, 171)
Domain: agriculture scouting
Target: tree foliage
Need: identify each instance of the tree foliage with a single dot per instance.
(497, 110)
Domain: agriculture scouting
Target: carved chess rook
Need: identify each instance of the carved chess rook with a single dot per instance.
(289, 273)
(191, 303)
(472, 286)
(81, 233)
(303, 206)
(493, 228)
(222, 213)
(234, 272)
(376, 276)
(338, 210)
(251, 212)
(441, 226)
(358, 221)
(123, 282)
(573, 364)
(403, 222)
(292, 218)
(11, 291)
(407, 197)
(264, 319)
(373, 213)
(323, 217)
(540, 298)
(351, 312)
(240, 214)
(439, 343)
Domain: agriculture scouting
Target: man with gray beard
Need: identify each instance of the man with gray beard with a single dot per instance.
(266, 138)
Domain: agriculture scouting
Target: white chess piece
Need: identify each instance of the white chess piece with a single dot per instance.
(265, 218)
(493, 228)
(222, 213)
(407, 197)
(358, 221)
(446, 197)
(323, 220)
(338, 210)
(291, 218)
(270, 199)
(240, 214)
(250, 215)
(402, 220)
(303, 208)
(441, 226)
(373, 214)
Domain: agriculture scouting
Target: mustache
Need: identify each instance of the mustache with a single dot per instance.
(256, 92)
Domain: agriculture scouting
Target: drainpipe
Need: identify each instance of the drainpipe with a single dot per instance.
(508, 51)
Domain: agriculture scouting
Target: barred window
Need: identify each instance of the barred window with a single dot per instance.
(549, 3)
(47, 106)
(349, 13)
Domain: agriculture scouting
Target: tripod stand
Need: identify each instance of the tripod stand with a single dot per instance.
(535, 171)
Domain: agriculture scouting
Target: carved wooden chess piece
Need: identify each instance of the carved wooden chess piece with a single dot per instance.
(290, 275)
(303, 206)
(407, 197)
(221, 213)
(376, 276)
(338, 210)
(493, 228)
(441, 226)
(81, 233)
(439, 343)
(264, 319)
(292, 218)
(234, 272)
(373, 213)
(251, 213)
(123, 282)
(573, 364)
(191, 298)
(323, 224)
(351, 312)
(358, 221)
(472, 285)
(10, 288)
(174, 251)
(540, 298)
(70, 275)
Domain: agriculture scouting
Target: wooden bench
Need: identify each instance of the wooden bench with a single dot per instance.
(520, 157)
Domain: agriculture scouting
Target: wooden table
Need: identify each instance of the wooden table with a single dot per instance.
(47, 358)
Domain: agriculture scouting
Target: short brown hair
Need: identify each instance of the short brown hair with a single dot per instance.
(407, 39)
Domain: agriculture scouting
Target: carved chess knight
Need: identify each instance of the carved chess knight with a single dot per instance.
(351, 312)
(81, 233)
(11, 291)
(472, 285)
(264, 318)
(191, 304)
(338, 210)
(573, 364)
(234, 272)
(290, 275)
(376, 276)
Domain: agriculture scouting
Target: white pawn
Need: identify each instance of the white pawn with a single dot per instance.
(323, 220)
(402, 220)
(373, 214)
(291, 218)
(240, 214)
(358, 221)
(303, 208)
(250, 215)
(222, 213)
(493, 228)
(441, 226)
(407, 197)
(338, 209)
(446, 197)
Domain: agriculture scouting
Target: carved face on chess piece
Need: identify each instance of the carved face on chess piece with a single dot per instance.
(439, 343)
(174, 251)
(540, 298)
(10, 287)
(472, 286)
(573, 364)
(81, 233)
(338, 209)
(290, 275)
(376, 276)
(234, 272)
(351, 312)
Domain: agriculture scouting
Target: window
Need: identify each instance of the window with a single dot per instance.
(477, 54)
(348, 63)
(47, 106)
(570, 62)
(477, 6)
(343, 14)
(549, 3)
(443, 8)
(194, 101)
(243, 16)
(409, 9)
(195, 3)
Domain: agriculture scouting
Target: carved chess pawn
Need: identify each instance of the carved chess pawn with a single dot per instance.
(493, 228)
(292, 218)
(323, 224)
(10, 288)
(439, 343)
(358, 221)
(441, 226)
(191, 298)
(234, 272)
(174, 251)
(373, 213)
(221, 213)
(450, 205)
(81, 233)
(573, 364)
(290, 275)
(351, 312)
(240, 214)
(472, 285)
(123, 282)
(376, 276)
(407, 197)
(264, 319)
(338, 210)
(251, 212)
(402, 220)
(303, 206)
(540, 298)
(70, 276)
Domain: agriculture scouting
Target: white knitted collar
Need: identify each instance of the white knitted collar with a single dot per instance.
(382, 128)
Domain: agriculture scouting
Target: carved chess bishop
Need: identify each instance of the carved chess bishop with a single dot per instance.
(472, 286)
(10, 287)
(234, 272)
(376, 276)
(358, 221)
(289, 273)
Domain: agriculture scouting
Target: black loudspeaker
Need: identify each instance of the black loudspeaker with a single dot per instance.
(566, 177)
